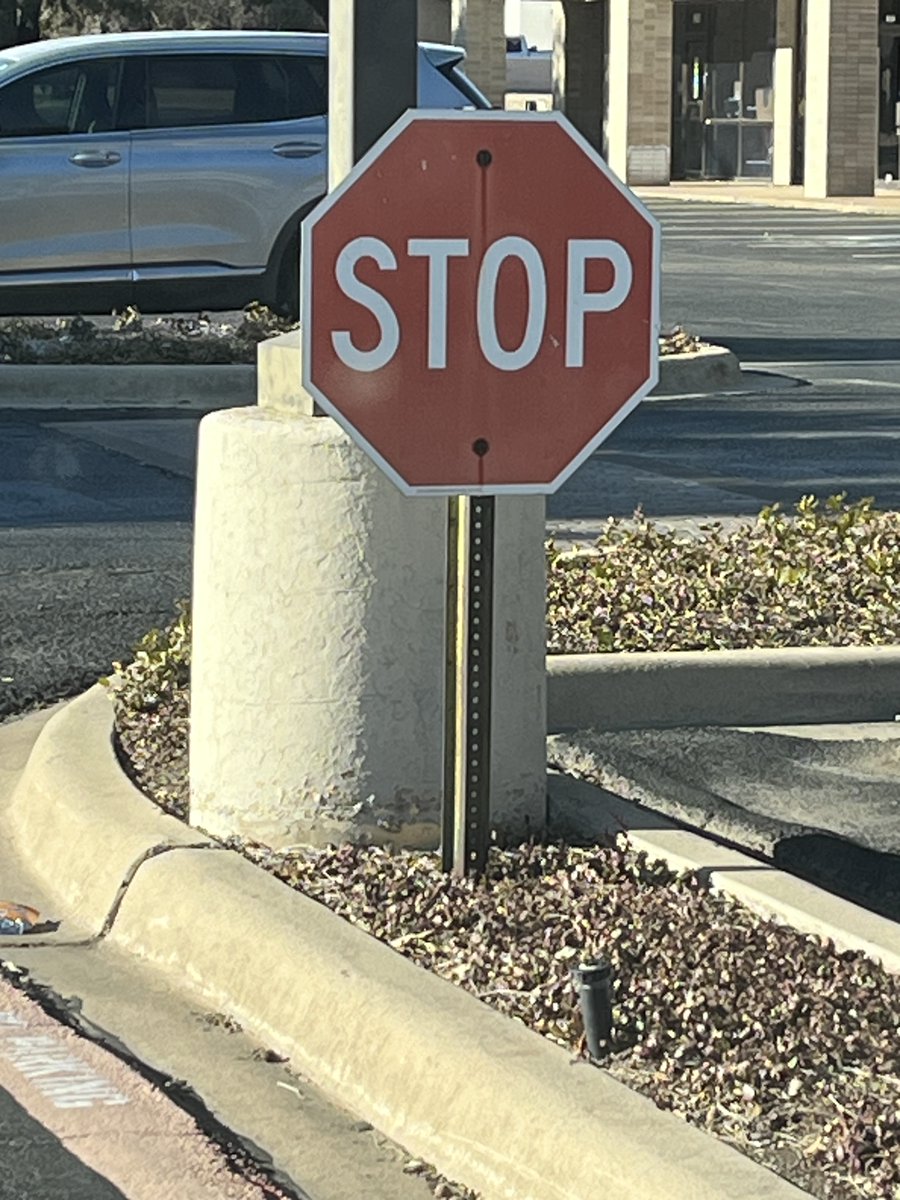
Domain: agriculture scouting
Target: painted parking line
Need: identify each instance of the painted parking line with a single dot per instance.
(108, 1116)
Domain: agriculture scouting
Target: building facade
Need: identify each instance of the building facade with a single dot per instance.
(782, 91)
(786, 91)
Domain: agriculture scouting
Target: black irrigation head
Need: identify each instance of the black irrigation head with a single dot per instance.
(594, 983)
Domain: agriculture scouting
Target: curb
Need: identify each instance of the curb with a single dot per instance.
(869, 206)
(581, 809)
(422, 1060)
(668, 689)
(709, 369)
(59, 816)
(134, 386)
(202, 388)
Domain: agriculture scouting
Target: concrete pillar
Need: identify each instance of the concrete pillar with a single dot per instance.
(318, 601)
(372, 69)
(579, 53)
(841, 144)
(783, 91)
(639, 126)
(478, 26)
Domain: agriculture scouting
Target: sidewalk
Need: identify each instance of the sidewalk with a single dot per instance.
(885, 202)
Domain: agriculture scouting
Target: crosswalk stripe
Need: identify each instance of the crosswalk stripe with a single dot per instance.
(844, 235)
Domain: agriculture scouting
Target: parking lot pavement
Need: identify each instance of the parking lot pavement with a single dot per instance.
(78, 1122)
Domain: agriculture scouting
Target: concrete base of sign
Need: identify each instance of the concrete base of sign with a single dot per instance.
(318, 658)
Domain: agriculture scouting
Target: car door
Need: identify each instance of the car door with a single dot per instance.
(234, 145)
(63, 175)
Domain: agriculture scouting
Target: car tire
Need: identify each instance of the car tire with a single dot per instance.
(287, 302)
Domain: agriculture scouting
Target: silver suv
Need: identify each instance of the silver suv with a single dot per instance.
(168, 170)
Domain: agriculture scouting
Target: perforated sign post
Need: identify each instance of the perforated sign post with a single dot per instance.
(479, 303)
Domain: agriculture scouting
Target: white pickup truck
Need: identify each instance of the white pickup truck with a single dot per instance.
(527, 69)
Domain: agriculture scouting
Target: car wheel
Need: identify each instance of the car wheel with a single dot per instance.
(288, 287)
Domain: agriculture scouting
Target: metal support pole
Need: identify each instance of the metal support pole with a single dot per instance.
(372, 73)
(467, 741)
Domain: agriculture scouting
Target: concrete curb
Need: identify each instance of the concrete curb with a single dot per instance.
(580, 809)
(882, 204)
(134, 386)
(487, 1101)
(819, 685)
(72, 800)
(202, 388)
(709, 369)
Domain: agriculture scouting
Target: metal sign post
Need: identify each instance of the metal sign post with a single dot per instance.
(465, 817)
(372, 71)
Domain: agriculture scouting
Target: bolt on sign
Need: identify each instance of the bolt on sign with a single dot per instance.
(480, 302)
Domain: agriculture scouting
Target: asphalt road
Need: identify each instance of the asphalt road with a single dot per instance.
(94, 550)
(95, 544)
(809, 295)
(36, 1164)
(783, 284)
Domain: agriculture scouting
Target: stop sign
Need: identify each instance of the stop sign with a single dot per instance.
(480, 302)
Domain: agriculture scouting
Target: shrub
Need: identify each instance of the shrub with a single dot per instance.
(160, 667)
(826, 576)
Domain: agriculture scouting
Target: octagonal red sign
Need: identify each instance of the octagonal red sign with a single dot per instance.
(480, 302)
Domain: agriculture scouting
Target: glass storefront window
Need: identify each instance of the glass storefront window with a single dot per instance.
(723, 102)
(756, 151)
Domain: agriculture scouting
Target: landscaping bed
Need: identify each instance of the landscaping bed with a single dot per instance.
(826, 575)
(764, 1037)
(204, 339)
(130, 338)
(767, 1038)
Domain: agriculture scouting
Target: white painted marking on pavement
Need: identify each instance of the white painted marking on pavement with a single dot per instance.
(143, 1144)
(62, 1077)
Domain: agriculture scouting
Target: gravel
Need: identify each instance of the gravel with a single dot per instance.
(766, 1038)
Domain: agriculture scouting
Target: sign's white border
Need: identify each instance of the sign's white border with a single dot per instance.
(307, 300)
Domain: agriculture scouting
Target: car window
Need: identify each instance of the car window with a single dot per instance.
(307, 77)
(74, 98)
(233, 89)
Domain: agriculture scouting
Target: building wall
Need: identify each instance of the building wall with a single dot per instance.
(536, 17)
(841, 101)
(434, 21)
(478, 26)
(783, 85)
(634, 122)
(639, 126)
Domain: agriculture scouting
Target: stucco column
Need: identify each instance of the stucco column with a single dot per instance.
(579, 54)
(841, 142)
(478, 26)
(318, 657)
(783, 91)
(639, 127)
